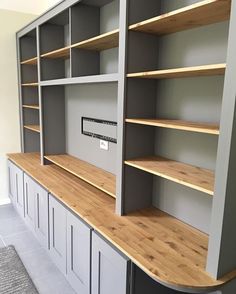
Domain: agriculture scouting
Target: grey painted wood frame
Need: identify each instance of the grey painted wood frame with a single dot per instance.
(222, 253)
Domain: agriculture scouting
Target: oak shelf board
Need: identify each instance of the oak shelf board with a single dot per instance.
(177, 124)
(89, 173)
(183, 72)
(34, 84)
(102, 42)
(192, 16)
(59, 53)
(34, 128)
(31, 106)
(187, 175)
(167, 249)
(31, 61)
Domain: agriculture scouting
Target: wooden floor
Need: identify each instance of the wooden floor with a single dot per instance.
(168, 250)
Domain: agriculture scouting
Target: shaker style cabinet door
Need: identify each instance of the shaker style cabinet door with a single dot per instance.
(29, 191)
(78, 254)
(110, 269)
(19, 190)
(41, 215)
(11, 187)
(57, 232)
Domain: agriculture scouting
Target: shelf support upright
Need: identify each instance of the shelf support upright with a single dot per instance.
(222, 242)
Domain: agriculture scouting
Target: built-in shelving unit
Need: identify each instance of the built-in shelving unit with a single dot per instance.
(194, 71)
(91, 174)
(195, 15)
(85, 85)
(177, 124)
(184, 174)
(34, 128)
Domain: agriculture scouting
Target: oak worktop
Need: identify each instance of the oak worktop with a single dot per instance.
(168, 250)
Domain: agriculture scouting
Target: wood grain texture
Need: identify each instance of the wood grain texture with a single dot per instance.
(34, 84)
(194, 177)
(91, 174)
(183, 72)
(192, 16)
(167, 249)
(102, 42)
(178, 125)
(31, 61)
(34, 128)
(32, 106)
(59, 53)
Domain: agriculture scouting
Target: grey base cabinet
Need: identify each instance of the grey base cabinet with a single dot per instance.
(78, 254)
(36, 209)
(110, 268)
(57, 233)
(16, 190)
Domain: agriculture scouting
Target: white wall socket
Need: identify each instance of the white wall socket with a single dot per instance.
(104, 145)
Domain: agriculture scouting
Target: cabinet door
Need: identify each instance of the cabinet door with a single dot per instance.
(19, 190)
(57, 225)
(41, 215)
(78, 254)
(29, 191)
(110, 269)
(11, 181)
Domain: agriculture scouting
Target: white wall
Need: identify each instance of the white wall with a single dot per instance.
(14, 15)
(27, 6)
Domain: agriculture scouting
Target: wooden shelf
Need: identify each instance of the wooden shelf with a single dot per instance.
(34, 128)
(59, 53)
(168, 250)
(91, 174)
(178, 125)
(30, 85)
(194, 177)
(102, 42)
(194, 71)
(92, 79)
(31, 61)
(192, 16)
(31, 106)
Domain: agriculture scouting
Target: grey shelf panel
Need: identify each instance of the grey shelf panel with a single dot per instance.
(106, 78)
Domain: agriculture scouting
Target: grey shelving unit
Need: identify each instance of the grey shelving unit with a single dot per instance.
(159, 69)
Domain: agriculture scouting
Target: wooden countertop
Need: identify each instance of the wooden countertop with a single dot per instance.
(168, 250)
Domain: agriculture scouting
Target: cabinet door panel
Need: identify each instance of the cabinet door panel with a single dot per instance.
(18, 177)
(57, 220)
(11, 180)
(109, 268)
(78, 254)
(41, 213)
(29, 189)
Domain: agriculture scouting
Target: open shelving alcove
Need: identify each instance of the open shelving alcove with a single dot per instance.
(28, 68)
(157, 71)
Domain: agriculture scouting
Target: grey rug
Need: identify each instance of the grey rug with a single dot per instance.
(14, 278)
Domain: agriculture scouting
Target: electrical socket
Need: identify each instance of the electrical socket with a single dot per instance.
(104, 145)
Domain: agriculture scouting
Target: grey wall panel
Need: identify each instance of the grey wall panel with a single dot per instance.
(204, 45)
(48, 42)
(30, 95)
(169, 5)
(109, 17)
(28, 47)
(95, 101)
(31, 141)
(31, 116)
(81, 25)
(183, 203)
(53, 103)
(53, 69)
(29, 74)
(109, 61)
